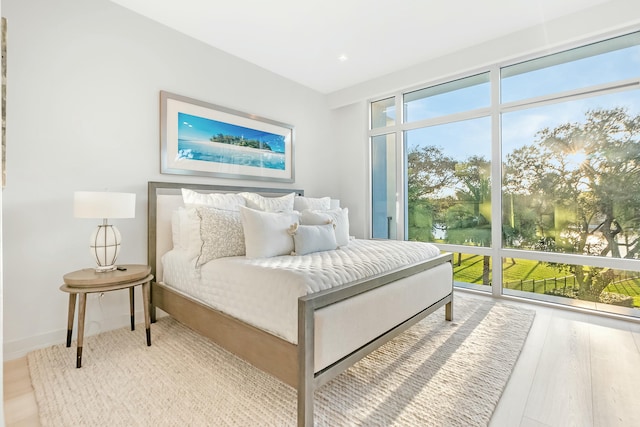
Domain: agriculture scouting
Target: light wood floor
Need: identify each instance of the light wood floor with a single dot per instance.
(20, 407)
(576, 369)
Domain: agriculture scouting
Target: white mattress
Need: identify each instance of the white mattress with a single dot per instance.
(264, 292)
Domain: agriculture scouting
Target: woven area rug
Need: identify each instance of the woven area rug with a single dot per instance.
(437, 373)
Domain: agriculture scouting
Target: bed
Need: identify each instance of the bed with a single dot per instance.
(323, 324)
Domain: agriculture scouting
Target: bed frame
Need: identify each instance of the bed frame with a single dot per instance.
(292, 364)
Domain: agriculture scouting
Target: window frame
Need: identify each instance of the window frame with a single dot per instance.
(495, 111)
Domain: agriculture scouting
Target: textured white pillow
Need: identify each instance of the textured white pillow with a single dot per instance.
(266, 234)
(314, 238)
(301, 203)
(221, 233)
(226, 201)
(340, 216)
(269, 204)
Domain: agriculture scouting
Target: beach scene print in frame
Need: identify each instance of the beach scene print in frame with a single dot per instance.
(198, 138)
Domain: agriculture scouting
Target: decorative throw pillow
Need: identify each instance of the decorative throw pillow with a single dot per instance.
(269, 204)
(226, 201)
(313, 238)
(266, 233)
(340, 216)
(301, 203)
(221, 234)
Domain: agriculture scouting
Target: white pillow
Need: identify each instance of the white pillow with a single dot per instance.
(314, 238)
(266, 234)
(301, 203)
(269, 204)
(221, 234)
(340, 216)
(176, 236)
(226, 201)
(186, 231)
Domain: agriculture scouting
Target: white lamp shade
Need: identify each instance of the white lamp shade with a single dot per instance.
(91, 204)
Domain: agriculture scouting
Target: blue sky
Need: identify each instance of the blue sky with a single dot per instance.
(457, 140)
(473, 137)
(613, 66)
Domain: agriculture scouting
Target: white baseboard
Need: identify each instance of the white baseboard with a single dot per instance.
(19, 348)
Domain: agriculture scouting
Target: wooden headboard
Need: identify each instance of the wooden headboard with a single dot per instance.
(165, 197)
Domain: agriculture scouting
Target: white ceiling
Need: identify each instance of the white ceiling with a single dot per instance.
(302, 40)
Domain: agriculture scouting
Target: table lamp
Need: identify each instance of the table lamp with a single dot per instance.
(105, 240)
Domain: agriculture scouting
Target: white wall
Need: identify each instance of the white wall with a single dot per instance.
(83, 114)
(349, 105)
(350, 125)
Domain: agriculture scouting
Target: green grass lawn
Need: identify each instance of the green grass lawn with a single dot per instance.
(627, 287)
(515, 271)
(470, 269)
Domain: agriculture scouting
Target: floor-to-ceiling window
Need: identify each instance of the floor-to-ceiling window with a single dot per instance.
(532, 166)
(385, 166)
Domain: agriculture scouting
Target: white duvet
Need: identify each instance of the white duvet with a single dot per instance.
(264, 292)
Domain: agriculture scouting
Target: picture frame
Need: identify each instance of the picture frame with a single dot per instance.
(199, 138)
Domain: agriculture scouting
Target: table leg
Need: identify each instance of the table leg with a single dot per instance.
(145, 302)
(152, 308)
(81, 311)
(132, 308)
(72, 312)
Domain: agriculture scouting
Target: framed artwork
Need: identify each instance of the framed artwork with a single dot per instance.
(198, 138)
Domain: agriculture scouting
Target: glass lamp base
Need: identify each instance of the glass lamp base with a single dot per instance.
(105, 247)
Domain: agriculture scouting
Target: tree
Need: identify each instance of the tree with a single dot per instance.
(474, 177)
(580, 180)
(526, 201)
(429, 171)
(240, 141)
(601, 184)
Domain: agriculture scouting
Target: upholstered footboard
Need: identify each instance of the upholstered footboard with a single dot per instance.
(338, 327)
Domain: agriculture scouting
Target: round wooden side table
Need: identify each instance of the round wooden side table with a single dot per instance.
(87, 281)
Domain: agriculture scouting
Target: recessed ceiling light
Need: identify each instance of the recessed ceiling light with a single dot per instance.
(343, 58)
